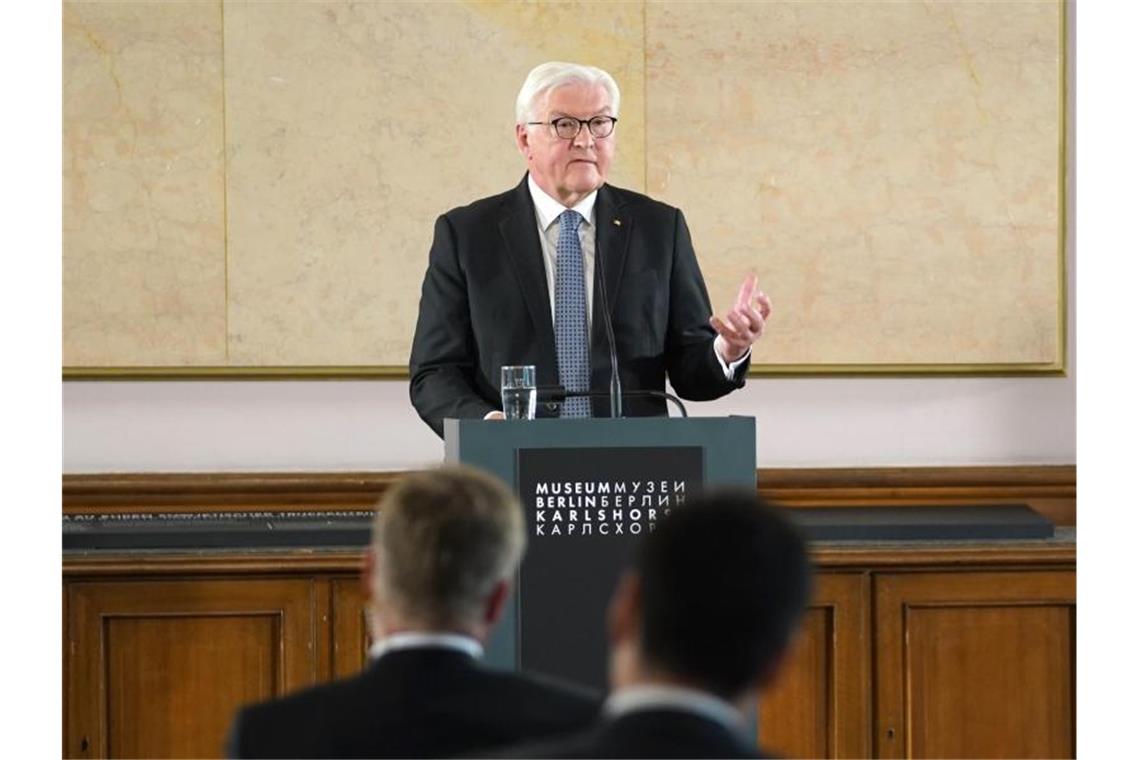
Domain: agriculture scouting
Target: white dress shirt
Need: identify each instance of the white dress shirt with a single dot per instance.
(547, 214)
(702, 703)
(426, 640)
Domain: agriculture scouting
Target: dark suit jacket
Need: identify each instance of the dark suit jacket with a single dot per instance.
(485, 303)
(411, 703)
(646, 733)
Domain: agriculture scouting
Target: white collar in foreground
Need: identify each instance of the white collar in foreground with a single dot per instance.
(426, 640)
(702, 703)
(550, 209)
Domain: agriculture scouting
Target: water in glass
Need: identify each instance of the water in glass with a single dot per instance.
(519, 403)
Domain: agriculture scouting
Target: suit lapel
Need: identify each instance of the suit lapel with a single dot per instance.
(519, 231)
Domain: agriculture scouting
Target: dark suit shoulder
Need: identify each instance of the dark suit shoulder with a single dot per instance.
(412, 703)
(638, 200)
(298, 724)
(570, 699)
(480, 210)
(335, 692)
(651, 733)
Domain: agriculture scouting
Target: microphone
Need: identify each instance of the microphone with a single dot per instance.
(559, 393)
(615, 377)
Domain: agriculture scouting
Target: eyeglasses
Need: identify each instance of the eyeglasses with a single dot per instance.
(567, 127)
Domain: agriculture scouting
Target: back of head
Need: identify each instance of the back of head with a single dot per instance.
(553, 74)
(442, 540)
(724, 582)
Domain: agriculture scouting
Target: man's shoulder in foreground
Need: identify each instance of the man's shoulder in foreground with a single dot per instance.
(294, 725)
(544, 704)
(656, 733)
(454, 706)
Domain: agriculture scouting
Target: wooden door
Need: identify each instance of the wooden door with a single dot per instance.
(157, 668)
(820, 703)
(976, 664)
(350, 635)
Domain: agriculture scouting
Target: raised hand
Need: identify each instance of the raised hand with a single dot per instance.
(743, 324)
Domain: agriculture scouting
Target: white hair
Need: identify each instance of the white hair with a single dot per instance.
(547, 76)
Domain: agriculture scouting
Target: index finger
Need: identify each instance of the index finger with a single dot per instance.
(744, 297)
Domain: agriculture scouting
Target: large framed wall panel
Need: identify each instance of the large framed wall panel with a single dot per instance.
(250, 188)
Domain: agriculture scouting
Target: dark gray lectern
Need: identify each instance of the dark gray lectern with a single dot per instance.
(590, 488)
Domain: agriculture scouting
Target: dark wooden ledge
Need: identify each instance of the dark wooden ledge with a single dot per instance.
(1050, 489)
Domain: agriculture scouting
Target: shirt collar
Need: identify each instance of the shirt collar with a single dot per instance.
(549, 209)
(657, 697)
(426, 640)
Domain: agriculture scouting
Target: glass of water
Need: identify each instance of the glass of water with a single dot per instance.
(519, 397)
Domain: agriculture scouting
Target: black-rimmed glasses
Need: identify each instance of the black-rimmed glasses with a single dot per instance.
(567, 127)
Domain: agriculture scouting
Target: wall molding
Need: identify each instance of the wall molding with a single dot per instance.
(1050, 489)
(293, 562)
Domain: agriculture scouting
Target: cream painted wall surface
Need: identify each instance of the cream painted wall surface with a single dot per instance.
(368, 425)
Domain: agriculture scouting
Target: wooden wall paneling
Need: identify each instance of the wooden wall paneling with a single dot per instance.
(975, 664)
(119, 565)
(934, 556)
(158, 667)
(66, 661)
(335, 631)
(820, 704)
(350, 627)
(322, 624)
(1050, 489)
(224, 491)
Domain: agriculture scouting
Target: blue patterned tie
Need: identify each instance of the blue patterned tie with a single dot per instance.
(571, 334)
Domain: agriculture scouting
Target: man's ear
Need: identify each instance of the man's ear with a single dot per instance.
(624, 615)
(522, 140)
(496, 603)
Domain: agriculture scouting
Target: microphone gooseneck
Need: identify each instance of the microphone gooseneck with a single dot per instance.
(559, 394)
(615, 376)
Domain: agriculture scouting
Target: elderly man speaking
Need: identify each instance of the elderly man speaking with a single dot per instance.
(518, 278)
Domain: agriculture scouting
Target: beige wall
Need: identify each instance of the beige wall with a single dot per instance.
(254, 184)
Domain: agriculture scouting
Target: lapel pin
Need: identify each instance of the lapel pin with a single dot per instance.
(617, 222)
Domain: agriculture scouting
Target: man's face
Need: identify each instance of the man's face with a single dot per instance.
(568, 170)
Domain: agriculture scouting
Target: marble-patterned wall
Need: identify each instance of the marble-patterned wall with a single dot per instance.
(253, 184)
(144, 264)
(889, 169)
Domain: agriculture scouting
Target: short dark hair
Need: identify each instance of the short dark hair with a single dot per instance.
(724, 582)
